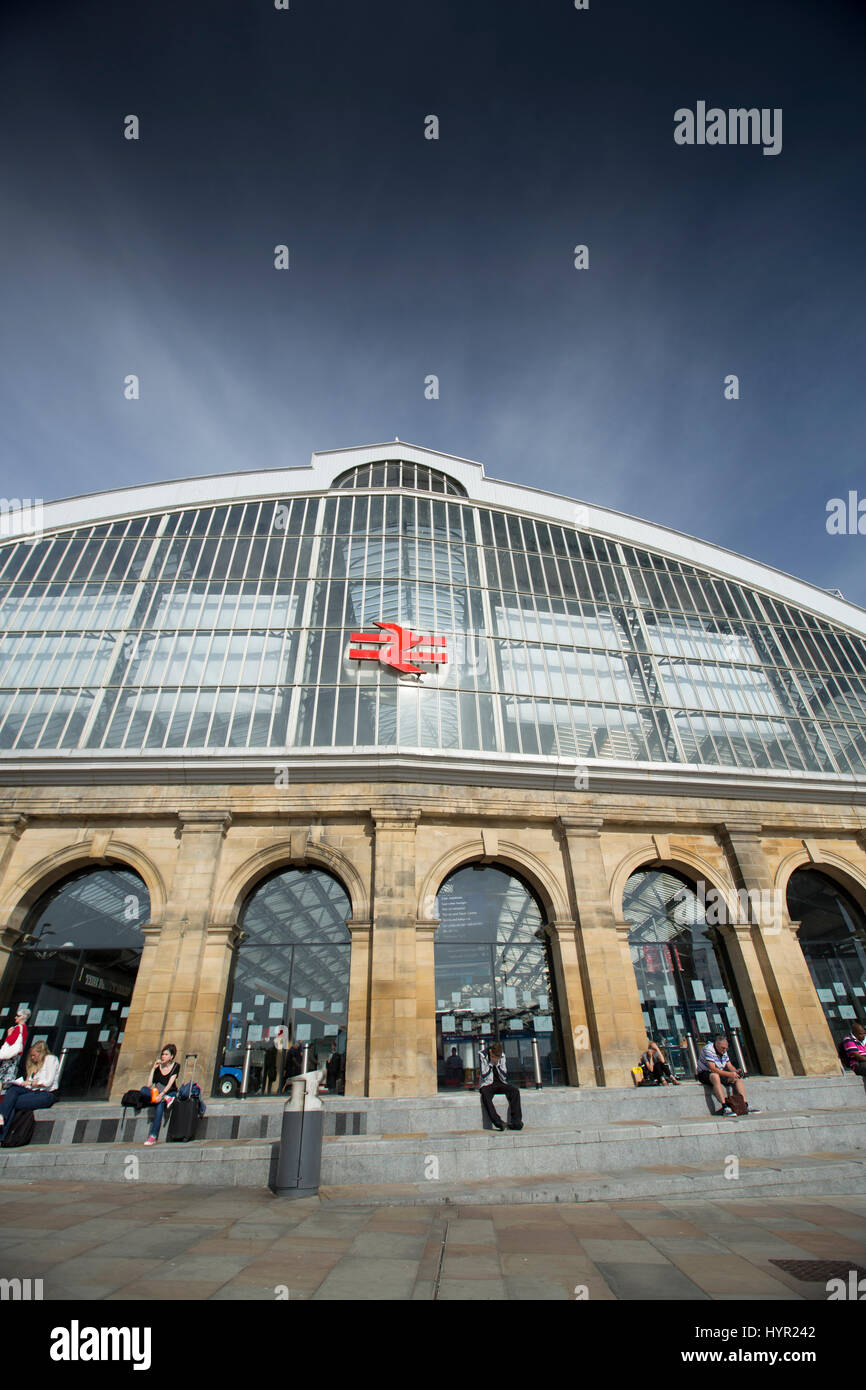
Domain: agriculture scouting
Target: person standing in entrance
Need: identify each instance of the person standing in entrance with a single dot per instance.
(494, 1082)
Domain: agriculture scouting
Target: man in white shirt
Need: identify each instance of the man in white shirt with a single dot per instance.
(716, 1070)
(494, 1081)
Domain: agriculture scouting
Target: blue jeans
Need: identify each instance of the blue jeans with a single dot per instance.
(158, 1111)
(19, 1098)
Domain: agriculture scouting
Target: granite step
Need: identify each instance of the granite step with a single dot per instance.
(822, 1174)
(70, 1122)
(246, 1163)
(611, 1151)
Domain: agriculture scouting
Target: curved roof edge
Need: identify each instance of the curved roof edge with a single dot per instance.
(326, 465)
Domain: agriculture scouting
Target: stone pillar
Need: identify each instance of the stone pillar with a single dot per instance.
(164, 1005)
(573, 1014)
(759, 1014)
(425, 1017)
(205, 1035)
(396, 1065)
(12, 827)
(782, 967)
(614, 1015)
(357, 1030)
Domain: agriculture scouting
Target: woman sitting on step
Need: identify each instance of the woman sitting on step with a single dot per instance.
(34, 1089)
(162, 1090)
(655, 1069)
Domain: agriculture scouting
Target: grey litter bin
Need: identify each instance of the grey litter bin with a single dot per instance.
(300, 1162)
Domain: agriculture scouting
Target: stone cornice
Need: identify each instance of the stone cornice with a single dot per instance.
(439, 768)
(251, 806)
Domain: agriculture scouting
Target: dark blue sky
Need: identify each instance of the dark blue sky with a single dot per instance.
(454, 257)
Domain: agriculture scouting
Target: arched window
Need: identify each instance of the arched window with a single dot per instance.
(291, 979)
(493, 980)
(75, 969)
(832, 934)
(684, 980)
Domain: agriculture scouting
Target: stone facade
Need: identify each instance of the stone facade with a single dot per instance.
(201, 850)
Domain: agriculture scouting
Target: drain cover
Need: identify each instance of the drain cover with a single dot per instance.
(819, 1271)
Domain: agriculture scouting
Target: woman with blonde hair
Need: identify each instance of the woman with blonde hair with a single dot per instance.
(34, 1089)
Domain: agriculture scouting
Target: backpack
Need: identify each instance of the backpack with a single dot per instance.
(737, 1103)
(134, 1099)
(19, 1130)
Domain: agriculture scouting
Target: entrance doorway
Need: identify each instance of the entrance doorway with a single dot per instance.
(75, 969)
(832, 934)
(290, 984)
(493, 979)
(684, 980)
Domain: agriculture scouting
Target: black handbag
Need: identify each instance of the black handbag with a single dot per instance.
(19, 1130)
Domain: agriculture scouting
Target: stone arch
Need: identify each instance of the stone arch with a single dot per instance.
(684, 861)
(847, 875)
(259, 866)
(36, 880)
(508, 855)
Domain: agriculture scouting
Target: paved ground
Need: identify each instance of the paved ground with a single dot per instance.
(137, 1241)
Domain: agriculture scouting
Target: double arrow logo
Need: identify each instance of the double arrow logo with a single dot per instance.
(397, 647)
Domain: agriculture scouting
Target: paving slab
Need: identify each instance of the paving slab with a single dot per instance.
(366, 1280)
(647, 1282)
(650, 1249)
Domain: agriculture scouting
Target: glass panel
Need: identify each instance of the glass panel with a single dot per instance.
(492, 979)
(683, 976)
(832, 934)
(77, 970)
(290, 986)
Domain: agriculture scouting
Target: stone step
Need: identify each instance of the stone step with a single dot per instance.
(472, 1155)
(805, 1175)
(479, 1154)
(70, 1122)
(584, 1107)
(245, 1163)
(238, 1163)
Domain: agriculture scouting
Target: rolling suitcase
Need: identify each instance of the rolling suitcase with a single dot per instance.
(183, 1115)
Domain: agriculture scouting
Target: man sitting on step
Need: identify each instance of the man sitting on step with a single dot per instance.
(716, 1070)
(494, 1082)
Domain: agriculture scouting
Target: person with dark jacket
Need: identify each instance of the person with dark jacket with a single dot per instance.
(332, 1068)
(293, 1064)
(655, 1069)
(494, 1082)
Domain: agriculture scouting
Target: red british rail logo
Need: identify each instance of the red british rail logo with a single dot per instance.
(398, 647)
